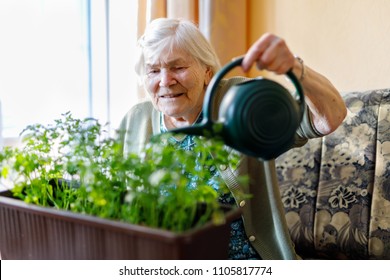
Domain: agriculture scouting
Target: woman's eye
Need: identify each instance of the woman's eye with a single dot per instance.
(153, 71)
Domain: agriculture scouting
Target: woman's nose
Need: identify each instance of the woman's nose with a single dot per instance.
(166, 78)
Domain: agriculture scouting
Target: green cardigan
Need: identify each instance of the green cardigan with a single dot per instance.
(263, 213)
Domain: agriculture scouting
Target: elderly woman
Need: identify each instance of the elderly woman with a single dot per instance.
(176, 64)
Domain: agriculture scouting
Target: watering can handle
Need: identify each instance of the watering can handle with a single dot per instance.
(210, 92)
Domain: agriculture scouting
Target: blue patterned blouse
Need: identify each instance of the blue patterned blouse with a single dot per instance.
(239, 246)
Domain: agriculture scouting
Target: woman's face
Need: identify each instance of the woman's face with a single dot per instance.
(176, 83)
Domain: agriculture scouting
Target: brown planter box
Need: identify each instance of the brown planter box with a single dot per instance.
(34, 232)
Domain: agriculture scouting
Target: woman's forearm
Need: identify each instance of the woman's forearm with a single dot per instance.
(325, 102)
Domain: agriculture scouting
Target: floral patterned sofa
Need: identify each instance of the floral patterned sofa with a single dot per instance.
(336, 190)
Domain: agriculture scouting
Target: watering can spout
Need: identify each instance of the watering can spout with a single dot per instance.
(202, 129)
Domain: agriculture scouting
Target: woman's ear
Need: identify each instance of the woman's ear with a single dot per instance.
(208, 76)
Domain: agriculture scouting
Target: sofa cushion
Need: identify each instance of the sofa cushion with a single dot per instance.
(336, 189)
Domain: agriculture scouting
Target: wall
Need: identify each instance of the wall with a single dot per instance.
(348, 41)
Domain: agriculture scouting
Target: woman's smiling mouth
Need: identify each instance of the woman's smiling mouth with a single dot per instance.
(171, 95)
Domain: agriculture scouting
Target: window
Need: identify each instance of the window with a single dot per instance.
(66, 55)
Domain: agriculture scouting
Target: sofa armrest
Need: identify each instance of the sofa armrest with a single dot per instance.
(336, 189)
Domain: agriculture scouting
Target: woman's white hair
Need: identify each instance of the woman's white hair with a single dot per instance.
(164, 34)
